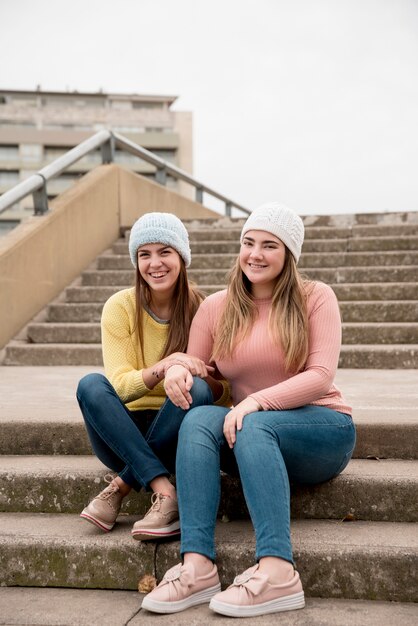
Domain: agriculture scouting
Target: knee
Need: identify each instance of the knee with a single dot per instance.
(201, 392)
(203, 422)
(253, 428)
(192, 420)
(90, 386)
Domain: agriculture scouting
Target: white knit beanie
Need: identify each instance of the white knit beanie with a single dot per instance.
(163, 228)
(277, 219)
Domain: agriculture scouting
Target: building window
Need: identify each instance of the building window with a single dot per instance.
(9, 177)
(9, 153)
(147, 105)
(53, 152)
(167, 155)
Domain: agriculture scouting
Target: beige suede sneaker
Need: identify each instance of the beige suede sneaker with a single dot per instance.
(181, 588)
(162, 520)
(104, 508)
(251, 594)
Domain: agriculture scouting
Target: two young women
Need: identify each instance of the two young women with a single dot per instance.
(132, 425)
(276, 338)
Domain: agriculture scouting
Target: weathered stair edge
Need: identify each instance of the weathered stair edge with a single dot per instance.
(367, 490)
(375, 438)
(356, 356)
(362, 560)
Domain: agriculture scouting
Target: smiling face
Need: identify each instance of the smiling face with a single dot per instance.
(262, 257)
(159, 265)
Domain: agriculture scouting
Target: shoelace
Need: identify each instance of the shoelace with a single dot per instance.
(156, 500)
(108, 491)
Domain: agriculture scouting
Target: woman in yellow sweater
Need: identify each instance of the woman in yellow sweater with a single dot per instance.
(131, 424)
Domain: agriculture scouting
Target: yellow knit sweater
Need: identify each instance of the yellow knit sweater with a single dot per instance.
(122, 356)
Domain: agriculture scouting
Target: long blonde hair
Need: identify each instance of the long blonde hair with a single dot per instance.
(185, 302)
(288, 319)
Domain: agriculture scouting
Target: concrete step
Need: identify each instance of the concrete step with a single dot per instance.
(354, 311)
(362, 244)
(381, 433)
(369, 291)
(91, 294)
(313, 232)
(328, 275)
(361, 560)
(379, 333)
(381, 243)
(398, 274)
(66, 332)
(386, 420)
(368, 489)
(376, 291)
(20, 353)
(353, 333)
(390, 356)
(309, 259)
(83, 607)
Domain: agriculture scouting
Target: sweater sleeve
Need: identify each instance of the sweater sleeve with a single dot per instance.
(120, 356)
(200, 344)
(318, 374)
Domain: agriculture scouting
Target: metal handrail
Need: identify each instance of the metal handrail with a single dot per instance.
(107, 140)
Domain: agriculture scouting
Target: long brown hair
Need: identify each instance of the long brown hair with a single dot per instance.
(288, 319)
(185, 302)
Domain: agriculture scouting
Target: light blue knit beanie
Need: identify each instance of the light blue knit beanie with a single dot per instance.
(163, 228)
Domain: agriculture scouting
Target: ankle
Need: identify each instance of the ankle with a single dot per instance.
(123, 487)
(202, 564)
(279, 571)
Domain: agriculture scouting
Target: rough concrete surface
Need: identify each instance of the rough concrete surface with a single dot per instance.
(68, 607)
(385, 409)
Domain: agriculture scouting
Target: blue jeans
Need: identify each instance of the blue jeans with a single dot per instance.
(309, 444)
(138, 445)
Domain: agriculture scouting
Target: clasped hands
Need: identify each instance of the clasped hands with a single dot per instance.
(177, 384)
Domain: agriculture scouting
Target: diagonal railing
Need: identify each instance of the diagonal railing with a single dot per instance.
(108, 141)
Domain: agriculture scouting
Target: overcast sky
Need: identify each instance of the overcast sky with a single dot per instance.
(311, 102)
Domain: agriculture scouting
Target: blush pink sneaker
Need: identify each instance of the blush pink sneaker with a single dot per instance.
(181, 588)
(251, 594)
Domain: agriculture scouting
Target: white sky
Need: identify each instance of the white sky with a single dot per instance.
(310, 102)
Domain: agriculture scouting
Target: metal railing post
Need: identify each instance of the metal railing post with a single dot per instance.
(199, 195)
(40, 199)
(108, 151)
(228, 209)
(161, 176)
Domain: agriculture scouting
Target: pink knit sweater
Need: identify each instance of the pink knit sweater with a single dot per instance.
(256, 368)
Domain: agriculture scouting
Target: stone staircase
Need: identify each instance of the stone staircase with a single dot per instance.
(355, 537)
(373, 269)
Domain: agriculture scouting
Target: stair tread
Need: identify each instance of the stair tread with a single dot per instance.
(47, 528)
(73, 607)
(358, 469)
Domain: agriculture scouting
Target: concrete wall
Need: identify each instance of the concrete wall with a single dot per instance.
(139, 195)
(40, 257)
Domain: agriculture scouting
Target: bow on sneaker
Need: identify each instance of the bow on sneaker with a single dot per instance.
(252, 594)
(181, 588)
(162, 520)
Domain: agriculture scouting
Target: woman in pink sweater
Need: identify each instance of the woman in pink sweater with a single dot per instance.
(276, 338)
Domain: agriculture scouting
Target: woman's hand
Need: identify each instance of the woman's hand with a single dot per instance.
(155, 374)
(177, 384)
(196, 366)
(235, 417)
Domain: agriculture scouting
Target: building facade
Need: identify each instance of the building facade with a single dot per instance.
(38, 126)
